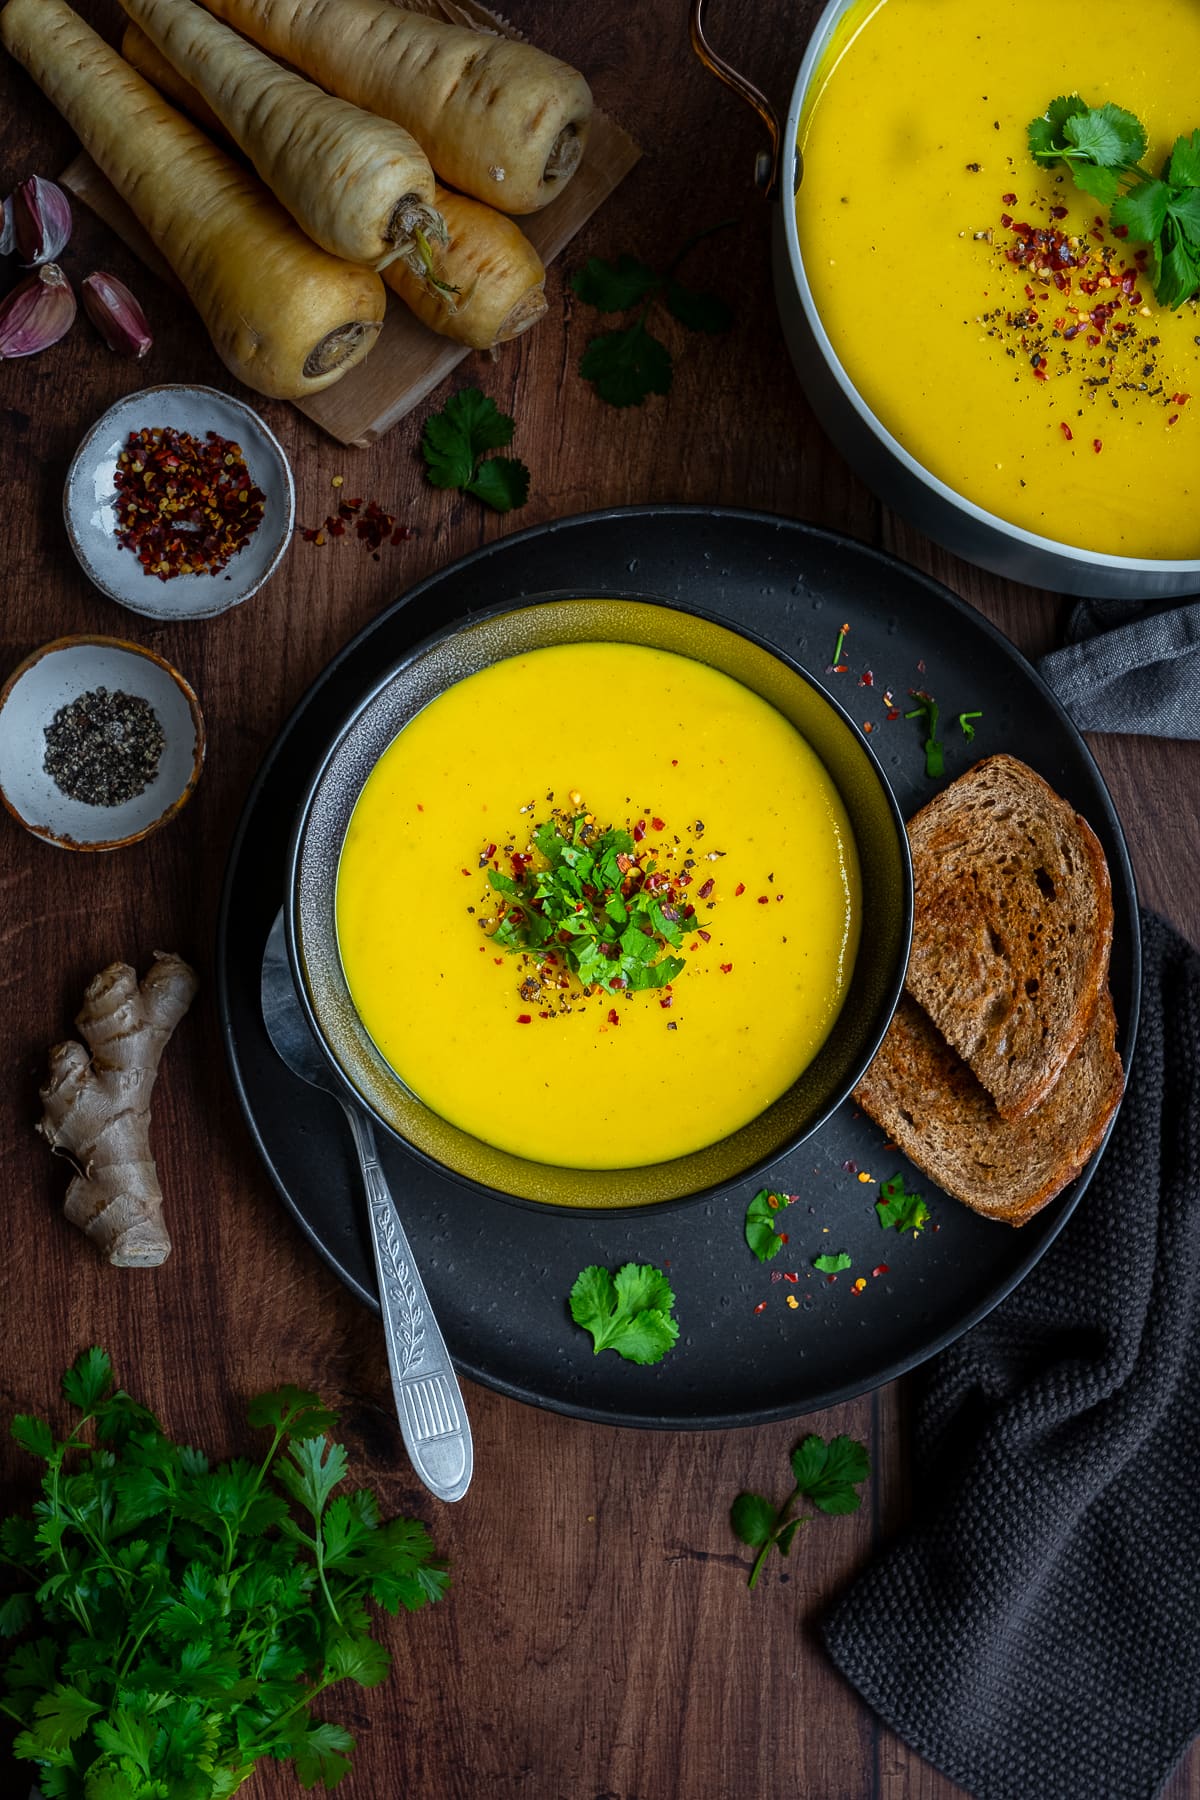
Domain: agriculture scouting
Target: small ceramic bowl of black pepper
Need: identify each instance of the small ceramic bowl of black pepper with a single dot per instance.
(101, 742)
(179, 503)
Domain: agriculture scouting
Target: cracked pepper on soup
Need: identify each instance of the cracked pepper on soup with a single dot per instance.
(982, 305)
(598, 905)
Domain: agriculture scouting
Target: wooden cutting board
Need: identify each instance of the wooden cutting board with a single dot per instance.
(408, 360)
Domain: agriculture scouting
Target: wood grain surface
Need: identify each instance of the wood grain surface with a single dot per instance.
(600, 1642)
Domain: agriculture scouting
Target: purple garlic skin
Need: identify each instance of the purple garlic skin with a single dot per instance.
(41, 221)
(8, 235)
(39, 311)
(116, 315)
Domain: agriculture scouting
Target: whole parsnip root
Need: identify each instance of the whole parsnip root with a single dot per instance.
(499, 119)
(360, 186)
(97, 1107)
(485, 286)
(284, 316)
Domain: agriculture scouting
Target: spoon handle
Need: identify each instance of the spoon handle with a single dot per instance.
(429, 1403)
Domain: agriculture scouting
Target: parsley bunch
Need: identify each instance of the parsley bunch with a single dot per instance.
(188, 1616)
(625, 367)
(595, 905)
(826, 1474)
(1103, 147)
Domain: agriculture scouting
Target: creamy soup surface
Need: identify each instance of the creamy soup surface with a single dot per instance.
(719, 786)
(1070, 407)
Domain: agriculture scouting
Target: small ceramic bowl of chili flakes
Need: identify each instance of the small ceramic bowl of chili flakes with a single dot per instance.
(179, 502)
(101, 742)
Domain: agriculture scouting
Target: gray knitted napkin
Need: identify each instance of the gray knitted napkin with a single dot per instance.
(1130, 666)
(1036, 1634)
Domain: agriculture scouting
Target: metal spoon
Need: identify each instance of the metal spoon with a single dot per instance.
(429, 1403)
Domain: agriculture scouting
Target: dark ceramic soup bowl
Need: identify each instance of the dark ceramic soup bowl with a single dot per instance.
(535, 624)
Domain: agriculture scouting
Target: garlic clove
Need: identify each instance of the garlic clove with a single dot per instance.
(39, 311)
(8, 235)
(116, 315)
(41, 220)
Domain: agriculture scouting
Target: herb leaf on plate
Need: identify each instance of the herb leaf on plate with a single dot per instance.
(629, 1312)
(761, 1233)
(455, 442)
(899, 1209)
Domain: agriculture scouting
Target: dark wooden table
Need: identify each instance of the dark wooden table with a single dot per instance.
(600, 1639)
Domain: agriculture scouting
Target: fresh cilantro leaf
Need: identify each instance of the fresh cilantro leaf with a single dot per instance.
(753, 1519)
(322, 1754)
(626, 367)
(88, 1381)
(761, 1234)
(1184, 212)
(33, 1435)
(629, 1314)
(502, 482)
(1143, 210)
(698, 311)
(826, 1474)
(832, 1264)
(291, 1410)
(1108, 135)
(62, 1715)
(614, 287)
(1183, 170)
(1180, 271)
(311, 1470)
(454, 443)
(1047, 139)
(898, 1208)
(16, 1610)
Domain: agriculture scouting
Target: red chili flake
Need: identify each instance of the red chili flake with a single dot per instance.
(1173, 420)
(705, 937)
(850, 1166)
(867, 678)
(1006, 220)
(1058, 212)
(1180, 399)
(829, 1280)
(1009, 199)
(420, 808)
(761, 1307)
(639, 831)
(466, 871)
(524, 1018)
(499, 961)
(703, 892)
(659, 824)
(790, 1275)
(1066, 431)
(867, 725)
(185, 505)
(667, 1000)
(775, 1276)
(739, 889)
(614, 1017)
(763, 899)
(726, 968)
(1097, 445)
(880, 1269)
(1120, 231)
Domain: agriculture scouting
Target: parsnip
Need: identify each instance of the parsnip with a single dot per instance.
(488, 282)
(360, 186)
(149, 61)
(498, 119)
(285, 317)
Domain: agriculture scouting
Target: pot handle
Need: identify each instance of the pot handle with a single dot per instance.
(766, 165)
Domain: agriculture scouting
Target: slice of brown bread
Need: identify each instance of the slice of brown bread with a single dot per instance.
(932, 1107)
(1012, 927)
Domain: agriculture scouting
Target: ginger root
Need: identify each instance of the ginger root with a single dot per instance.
(97, 1107)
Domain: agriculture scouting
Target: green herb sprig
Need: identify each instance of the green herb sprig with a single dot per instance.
(455, 443)
(188, 1616)
(827, 1475)
(833, 1262)
(597, 906)
(626, 367)
(761, 1214)
(629, 1312)
(1103, 147)
(898, 1209)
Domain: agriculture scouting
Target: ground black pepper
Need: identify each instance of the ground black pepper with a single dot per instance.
(102, 748)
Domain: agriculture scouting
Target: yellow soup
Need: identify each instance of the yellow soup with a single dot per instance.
(1011, 343)
(718, 791)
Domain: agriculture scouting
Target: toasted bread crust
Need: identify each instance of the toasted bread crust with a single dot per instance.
(933, 1108)
(1013, 927)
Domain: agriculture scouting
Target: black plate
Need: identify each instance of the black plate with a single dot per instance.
(499, 1274)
